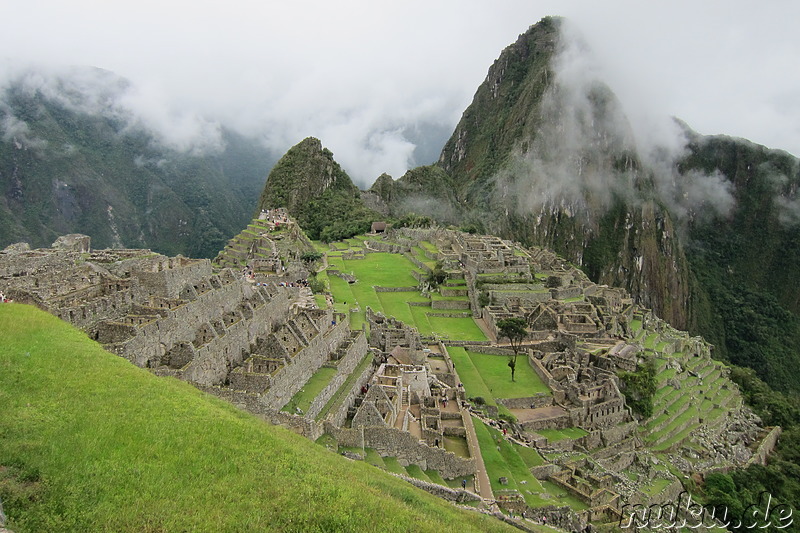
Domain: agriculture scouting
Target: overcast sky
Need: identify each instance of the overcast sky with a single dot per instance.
(362, 75)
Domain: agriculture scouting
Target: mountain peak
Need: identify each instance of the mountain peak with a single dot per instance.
(309, 183)
(305, 172)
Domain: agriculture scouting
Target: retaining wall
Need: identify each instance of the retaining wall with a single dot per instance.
(391, 442)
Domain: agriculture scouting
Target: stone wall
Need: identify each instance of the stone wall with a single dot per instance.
(337, 417)
(303, 365)
(354, 354)
(545, 471)
(446, 493)
(210, 364)
(765, 448)
(557, 422)
(390, 442)
(564, 293)
(541, 399)
(451, 315)
(168, 279)
(383, 246)
(450, 304)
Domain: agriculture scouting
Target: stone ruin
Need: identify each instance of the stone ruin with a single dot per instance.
(179, 317)
(582, 336)
(242, 336)
(270, 248)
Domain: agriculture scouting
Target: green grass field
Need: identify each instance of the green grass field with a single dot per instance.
(342, 391)
(469, 375)
(489, 377)
(93, 443)
(502, 460)
(382, 269)
(464, 329)
(394, 270)
(496, 374)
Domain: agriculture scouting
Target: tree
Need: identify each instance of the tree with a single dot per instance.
(515, 331)
(437, 276)
(310, 257)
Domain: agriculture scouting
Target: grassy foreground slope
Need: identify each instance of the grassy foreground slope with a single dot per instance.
(93, 443)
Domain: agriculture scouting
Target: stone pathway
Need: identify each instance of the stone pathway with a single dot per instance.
(483, 486)
(485, 328)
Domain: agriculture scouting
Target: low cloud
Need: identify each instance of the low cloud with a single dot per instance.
(586, 152)
(17, 131)
(97, 92)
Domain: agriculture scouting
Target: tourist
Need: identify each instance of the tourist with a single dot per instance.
(464, 484)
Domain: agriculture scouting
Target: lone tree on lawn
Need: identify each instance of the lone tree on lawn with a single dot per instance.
(514, 330)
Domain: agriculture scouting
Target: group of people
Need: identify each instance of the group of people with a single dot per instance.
(275, 217)
(298, 283)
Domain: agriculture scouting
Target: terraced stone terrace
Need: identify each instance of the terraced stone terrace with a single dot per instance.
(693, 391)
(592, 325)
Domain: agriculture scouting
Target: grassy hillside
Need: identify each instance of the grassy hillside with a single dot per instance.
(92, 443)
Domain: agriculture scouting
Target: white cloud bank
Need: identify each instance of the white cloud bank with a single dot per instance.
(359, 74)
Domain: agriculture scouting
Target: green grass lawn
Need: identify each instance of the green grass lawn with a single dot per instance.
(421, 321)
(530, 456)
(650, 341)
(507, 462)
(464, 329)
(457, 445)
(93, 443)
(435, 477)
(321, 246)
(429, 247)
(302, 400)
(469, 375)
(495, 372)
(345, 299)
(420, 255)
(374, 458)
(396, 304)
(319, 299)
(382, 269)
(417, 473)
(393, 465)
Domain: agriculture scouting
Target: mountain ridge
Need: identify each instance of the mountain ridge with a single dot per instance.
(544, 155)
(75, 162)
